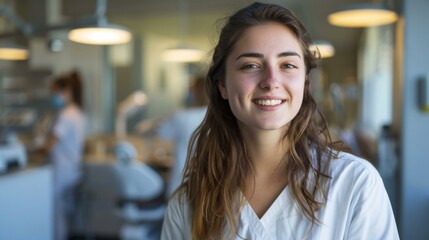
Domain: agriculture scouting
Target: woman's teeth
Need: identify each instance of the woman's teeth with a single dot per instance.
(268, 102)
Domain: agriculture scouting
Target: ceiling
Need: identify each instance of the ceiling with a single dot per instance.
(312, 13)
(132, 13)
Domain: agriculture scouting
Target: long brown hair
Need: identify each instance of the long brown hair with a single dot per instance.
(217, 157)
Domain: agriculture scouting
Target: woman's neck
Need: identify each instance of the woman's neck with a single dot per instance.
(267, 151)
(267, 178)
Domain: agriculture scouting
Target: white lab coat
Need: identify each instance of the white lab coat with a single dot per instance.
(66, 157)
(358, 207)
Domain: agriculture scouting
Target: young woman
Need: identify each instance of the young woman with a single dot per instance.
(64, 145)
(262, 165)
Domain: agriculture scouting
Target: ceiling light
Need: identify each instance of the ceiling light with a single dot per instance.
(90, 30)
(362, 15)
(104, 34)
(324, 48)
(13, 52)
(182, 54)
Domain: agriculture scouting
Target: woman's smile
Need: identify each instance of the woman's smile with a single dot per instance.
(265, 102)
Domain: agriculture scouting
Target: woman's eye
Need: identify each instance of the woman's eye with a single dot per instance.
(249, 66)
(288, 66)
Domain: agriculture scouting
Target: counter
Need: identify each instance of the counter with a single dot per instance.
(26, 204)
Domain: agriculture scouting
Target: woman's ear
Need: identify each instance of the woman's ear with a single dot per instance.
(222, 89)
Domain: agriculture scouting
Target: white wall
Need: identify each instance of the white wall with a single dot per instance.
(415, 124)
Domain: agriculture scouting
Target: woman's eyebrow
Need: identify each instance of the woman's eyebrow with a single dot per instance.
(253, 55)
(260, 55)
(286, 54)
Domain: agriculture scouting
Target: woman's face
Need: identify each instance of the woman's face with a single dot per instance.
(265, 77)
(62, 95)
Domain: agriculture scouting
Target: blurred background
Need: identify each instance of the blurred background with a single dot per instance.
(372, 86)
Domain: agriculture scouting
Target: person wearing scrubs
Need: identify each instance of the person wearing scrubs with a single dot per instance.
(262, 164)
(64, 145)
(179, 128)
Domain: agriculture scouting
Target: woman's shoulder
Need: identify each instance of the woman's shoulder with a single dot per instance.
(345, 160)
(177, 218)
(178, 207)
(347, 167)
(178, 200)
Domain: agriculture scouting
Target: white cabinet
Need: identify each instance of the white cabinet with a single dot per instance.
(26, 204)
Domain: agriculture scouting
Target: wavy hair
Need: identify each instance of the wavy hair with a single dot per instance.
(217, 157)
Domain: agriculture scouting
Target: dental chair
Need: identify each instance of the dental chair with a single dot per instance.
(141, 205)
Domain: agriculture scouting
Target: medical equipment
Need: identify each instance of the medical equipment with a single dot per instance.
(12, 151)
(12, 154)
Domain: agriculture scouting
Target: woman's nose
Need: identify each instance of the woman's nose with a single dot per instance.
(270, 79)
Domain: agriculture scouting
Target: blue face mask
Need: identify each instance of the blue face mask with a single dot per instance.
(58, 101)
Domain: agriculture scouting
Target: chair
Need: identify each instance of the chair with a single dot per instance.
(141, 204)
(122, 199)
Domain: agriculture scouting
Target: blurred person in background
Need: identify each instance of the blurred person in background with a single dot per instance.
(180, 127)
(64, 145)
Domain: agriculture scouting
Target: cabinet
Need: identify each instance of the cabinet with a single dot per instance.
(26, 204)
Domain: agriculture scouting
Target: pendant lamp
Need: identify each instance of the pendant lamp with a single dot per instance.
(13, 52)
(321, 48)
(102, 32)
(182, 52)
(362, 15)
(10, 49)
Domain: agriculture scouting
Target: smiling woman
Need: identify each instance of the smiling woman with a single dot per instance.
(262, 165)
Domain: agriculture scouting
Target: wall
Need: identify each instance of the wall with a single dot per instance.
(166, 83)
(376, 76)
(415, 124)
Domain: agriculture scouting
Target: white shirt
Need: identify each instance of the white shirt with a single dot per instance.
(358, 207)
(67, 153)
(179, 129)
